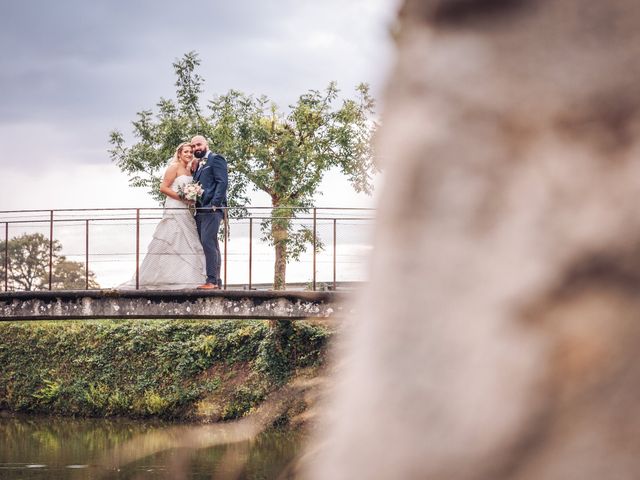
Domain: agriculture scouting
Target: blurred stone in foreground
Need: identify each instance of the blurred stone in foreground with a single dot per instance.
(498, 337)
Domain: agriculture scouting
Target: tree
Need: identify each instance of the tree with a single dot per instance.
(283, 154)
(70, 275)
(28, 261)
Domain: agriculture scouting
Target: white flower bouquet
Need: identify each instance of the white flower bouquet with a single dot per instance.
(192, 192)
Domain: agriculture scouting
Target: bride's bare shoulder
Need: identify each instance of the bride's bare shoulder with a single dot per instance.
(172, 168)
(170, 174)
(182, 171)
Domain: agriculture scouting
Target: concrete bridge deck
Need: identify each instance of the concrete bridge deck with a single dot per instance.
(120, 304)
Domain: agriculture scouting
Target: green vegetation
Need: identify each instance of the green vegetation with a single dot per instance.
(156, 368)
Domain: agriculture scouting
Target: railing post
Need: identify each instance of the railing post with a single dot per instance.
(86, 254)
(137, 248)
(226, 240)
(50, 249)
(250, 248)
(315, 215)
(334, 254)
(6, 256)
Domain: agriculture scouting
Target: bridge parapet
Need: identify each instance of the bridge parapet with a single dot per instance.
(118, 304)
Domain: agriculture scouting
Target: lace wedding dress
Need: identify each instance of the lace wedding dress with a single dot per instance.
(175, 259)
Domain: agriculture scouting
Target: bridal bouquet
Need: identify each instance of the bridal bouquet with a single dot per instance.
(192, 192)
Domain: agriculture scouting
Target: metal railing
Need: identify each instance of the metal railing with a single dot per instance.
(109, 242)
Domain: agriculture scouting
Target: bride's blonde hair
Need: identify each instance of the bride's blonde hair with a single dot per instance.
(176, 156)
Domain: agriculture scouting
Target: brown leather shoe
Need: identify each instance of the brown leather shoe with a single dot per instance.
(208, 286)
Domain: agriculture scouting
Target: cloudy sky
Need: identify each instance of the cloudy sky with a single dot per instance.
(73, 70)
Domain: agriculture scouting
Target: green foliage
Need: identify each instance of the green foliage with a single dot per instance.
(147, 368)
(287, 344)
(275, 351)
(98, 396)
(70, 275)
(119, 403)
(242, 401)
(28, 261)
(282, 153)
(153, 403)
(207, 344)
(49, 392)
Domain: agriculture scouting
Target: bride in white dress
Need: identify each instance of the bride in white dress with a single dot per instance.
(175, 259)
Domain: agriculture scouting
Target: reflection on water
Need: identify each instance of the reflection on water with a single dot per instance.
(61, 448)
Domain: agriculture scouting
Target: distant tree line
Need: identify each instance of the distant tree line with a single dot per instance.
(28, 266)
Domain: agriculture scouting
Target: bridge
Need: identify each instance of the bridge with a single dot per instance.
(70, 264)
(115, 304)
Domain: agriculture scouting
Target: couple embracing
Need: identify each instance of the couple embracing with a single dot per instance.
(184, 251)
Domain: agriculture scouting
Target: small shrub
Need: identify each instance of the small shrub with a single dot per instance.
(118, 404)
(242, 401)
(49, 393)
(153, 403)
(207, 345)
(97, 396)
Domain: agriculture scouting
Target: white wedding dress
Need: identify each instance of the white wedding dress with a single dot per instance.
(175, 259)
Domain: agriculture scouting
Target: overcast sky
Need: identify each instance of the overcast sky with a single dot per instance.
(73, 70)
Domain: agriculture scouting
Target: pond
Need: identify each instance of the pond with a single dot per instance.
(64, 448)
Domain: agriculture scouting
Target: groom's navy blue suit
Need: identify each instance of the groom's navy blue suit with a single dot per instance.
(213, 176)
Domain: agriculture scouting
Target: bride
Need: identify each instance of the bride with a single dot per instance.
(175, 259)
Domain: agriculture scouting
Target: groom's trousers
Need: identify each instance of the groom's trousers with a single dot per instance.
(208, 224)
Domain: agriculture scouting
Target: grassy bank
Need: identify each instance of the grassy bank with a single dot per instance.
(186, 369)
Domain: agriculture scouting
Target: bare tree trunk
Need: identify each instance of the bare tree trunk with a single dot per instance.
(279, 233)
(498, 336)
(280, 268)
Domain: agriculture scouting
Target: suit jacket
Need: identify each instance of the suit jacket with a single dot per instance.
(213, 176)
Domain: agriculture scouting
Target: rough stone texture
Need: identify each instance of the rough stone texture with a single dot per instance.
(508, 238)
(178, 304)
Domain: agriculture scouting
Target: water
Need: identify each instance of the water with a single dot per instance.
(62, 448)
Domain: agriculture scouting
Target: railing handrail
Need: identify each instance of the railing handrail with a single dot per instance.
(139, 216)
(105, 209)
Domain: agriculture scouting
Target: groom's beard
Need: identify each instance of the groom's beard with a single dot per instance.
(199, 153)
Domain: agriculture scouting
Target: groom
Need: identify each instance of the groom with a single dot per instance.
(213, 176)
